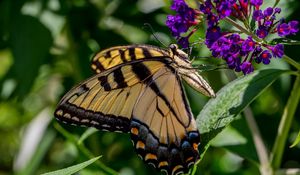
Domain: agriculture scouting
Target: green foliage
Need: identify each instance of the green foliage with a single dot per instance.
(45, 49)
(73, 169)
(230, 101)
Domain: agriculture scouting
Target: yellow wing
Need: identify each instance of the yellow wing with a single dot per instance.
(106, 100)
(162, 127)
(120, 55)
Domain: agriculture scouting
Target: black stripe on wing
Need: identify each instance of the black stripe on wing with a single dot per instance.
(145, 75)
(72, 114)
(127, 54)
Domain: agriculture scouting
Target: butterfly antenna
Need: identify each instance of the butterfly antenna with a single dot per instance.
(192, 46)
(147, 25)
(206, 68)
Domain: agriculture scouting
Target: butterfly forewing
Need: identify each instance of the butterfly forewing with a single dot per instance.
(106, 101)
(120, 55)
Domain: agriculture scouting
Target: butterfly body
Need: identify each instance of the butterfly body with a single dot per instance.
(138, 89)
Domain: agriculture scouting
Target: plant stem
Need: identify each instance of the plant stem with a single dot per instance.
(276, 3)
(291, 61)
(285, 124)
(242, 29)
(83, 149)
(265, 168)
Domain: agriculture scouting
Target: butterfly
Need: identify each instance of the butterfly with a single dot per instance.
(138, 89)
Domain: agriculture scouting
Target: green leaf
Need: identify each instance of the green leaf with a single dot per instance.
(285, 41)
(86, 134)
(230, 101)
(30, 43)
(296, 141)
(73, 169)
(244, 149)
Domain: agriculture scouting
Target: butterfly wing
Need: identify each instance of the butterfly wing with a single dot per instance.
(162, 127)
(118, 55)
(137, 90)
(106, 100)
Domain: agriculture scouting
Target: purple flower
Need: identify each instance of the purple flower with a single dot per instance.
(256, 2)
(176, 24)
(294, 27)
(268, 12)
(264, 57)
(206, 7)
(277, 50)
(182, 21)
(257, 15)
(283, 29)
(248, 45)
(224, 9)
(277, 10)
(234, 62)
(220, 47)
(212, 19)
(179, 6)
(212, 34)
(257, 51)
(246, 67)
(268, 23)
(262, 32)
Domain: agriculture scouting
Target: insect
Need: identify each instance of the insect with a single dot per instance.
(138, 89)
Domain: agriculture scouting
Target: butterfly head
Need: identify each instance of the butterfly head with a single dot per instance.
(185, 69)
(180, 58)
(176, 51)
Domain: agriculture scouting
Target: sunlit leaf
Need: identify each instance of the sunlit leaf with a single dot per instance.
(230, 101)
(39, 155)
(296, 141)
(73, 169)
(285, 41)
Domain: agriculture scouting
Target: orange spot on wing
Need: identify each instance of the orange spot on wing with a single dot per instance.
(134, 131)
(163, 163)
(140, 145)
(150, 156)
(195, 145)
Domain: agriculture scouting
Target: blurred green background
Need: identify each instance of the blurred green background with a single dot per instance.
(45, 49)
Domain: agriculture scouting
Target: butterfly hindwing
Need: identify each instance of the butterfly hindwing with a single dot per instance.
(162, 127)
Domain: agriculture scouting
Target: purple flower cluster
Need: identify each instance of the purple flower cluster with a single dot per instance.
(239, 53)
(266, 21)
(182, 21)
